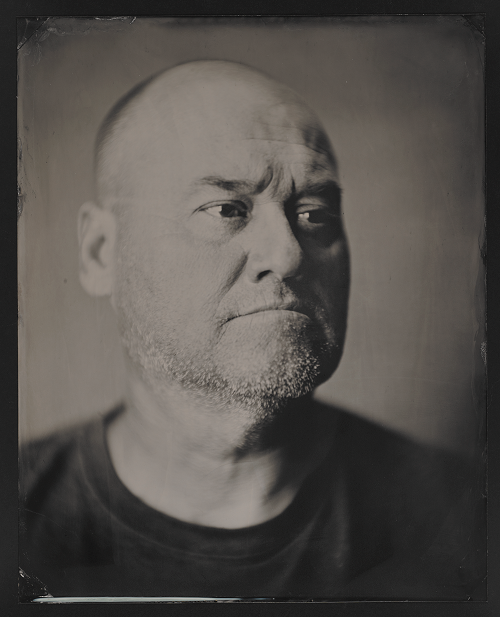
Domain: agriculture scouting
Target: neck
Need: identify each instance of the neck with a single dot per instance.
(214, 466)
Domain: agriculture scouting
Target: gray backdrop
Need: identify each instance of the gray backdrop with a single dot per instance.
(402, 101)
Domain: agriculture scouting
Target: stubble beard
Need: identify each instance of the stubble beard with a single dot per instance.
(222, 376)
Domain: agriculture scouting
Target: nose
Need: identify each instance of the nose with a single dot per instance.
(272, 247)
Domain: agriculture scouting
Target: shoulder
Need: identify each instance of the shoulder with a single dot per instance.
(417, 480)
(62, 521)
(394, 471)
(372, 449)
(48, 461)
(46, 456)
(425, 500)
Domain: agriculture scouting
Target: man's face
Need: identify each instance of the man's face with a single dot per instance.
(232, 263)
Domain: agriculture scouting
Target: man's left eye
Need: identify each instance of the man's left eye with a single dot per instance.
(314, 216)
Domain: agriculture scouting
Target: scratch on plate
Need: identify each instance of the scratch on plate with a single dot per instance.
(20, 202)
(31, 587)
(483, 352)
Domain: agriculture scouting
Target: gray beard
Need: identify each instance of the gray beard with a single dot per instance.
(298, 369)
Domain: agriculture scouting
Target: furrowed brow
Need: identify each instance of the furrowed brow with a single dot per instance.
(328, 189)
(231, 186)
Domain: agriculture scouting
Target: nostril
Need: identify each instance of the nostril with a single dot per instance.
(263, 274)
(283, 260)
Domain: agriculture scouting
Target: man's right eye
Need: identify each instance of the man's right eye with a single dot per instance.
(227, 210)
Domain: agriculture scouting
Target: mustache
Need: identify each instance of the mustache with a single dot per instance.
(280, 296)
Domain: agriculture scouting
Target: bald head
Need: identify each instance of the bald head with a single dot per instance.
(194, 103)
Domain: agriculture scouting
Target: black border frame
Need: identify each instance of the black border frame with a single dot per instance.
(8, 306)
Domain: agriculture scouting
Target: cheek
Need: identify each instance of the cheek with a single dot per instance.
(179, 279)
(333, 275)
(340, 264)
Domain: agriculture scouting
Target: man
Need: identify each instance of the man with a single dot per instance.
(217, 235)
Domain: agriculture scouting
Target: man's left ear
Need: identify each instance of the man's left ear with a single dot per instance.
(97, 240)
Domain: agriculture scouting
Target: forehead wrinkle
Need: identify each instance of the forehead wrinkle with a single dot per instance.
(277, 184)
(326, 151)
(225, 184)
(273, 177)
(267, 178)
(236, 185)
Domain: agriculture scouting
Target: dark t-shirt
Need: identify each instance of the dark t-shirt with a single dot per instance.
(382, 517)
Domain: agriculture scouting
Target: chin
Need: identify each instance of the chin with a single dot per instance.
(259, 370)
(270, 376)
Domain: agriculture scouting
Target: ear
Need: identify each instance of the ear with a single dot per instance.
(97, 240)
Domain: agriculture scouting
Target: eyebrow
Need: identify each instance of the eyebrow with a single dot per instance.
(231, 186)
(329, 190)
(326, 187)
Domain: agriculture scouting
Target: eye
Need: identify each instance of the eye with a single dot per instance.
(314, 217)
(227, 210)
(319, 222)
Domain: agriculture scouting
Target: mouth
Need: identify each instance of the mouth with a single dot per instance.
(271, 309)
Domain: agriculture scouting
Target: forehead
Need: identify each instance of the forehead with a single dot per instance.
(263, 149)
(232, 137)
(261, 126)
